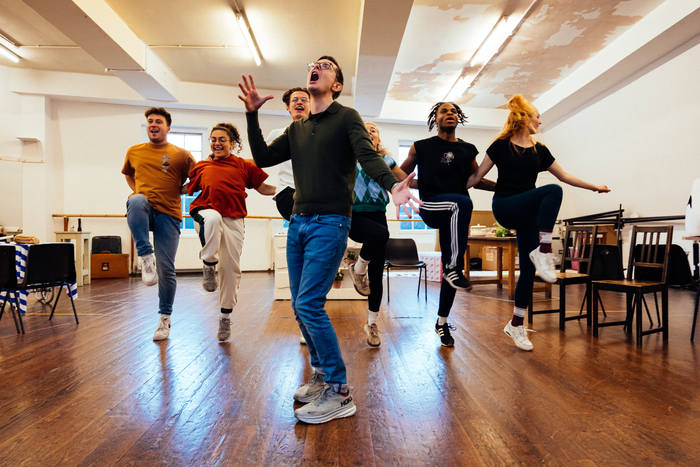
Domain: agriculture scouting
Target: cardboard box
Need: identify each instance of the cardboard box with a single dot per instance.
(489, 258)
(109, 266)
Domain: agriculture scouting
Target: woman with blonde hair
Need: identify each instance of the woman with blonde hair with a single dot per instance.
(369, 227)
(518, 204)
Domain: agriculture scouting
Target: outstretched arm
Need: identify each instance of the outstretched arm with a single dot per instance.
(486, 185)
(556, 170)
(265, 189)
(476, 177)
(252, 100)
(403, 199)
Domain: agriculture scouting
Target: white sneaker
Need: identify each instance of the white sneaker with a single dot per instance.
(328, 406)
(209, 280)
(544, 263)
(519, 335)
(360, 281)
(148, 269)
(372, 333)
(311, 389)
(163, 330)
(302, 341)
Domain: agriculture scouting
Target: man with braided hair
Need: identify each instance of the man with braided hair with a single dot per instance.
(445, 164)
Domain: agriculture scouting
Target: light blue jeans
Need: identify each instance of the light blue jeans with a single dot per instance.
(141, 218)
(315, 247)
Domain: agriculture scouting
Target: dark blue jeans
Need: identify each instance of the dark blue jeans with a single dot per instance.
(528, 213)
(315, 247)
(141, 218)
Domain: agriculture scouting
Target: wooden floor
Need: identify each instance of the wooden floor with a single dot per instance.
(103, 393)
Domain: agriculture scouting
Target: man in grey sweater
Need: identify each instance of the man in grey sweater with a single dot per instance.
(324, 149)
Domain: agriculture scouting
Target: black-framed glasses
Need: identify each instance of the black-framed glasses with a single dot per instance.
(322, 65)
(219, 140)
(300, 99)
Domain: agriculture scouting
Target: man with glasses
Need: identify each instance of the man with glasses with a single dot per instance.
(324, 149)
(297, 102)
(156, 171)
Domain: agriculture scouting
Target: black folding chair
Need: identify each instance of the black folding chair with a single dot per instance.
(402, 253)
(50, 265)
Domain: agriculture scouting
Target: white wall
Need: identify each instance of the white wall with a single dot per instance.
(642, 141)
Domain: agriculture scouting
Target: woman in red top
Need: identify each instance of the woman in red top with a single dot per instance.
(219, 211)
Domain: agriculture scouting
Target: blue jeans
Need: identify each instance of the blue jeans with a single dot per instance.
(315, 247)
(141, 218)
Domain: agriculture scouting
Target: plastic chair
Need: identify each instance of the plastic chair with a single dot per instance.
(8, 284)
(646, 273)
(50, 265)
(402, 253)
(578, 246)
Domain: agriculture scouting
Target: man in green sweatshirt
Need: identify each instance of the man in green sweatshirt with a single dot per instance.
(324, 149)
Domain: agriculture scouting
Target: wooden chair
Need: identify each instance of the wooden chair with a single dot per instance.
(646, 273)
(579, 243)
(8, 284)
(402, 253)
(695, 314)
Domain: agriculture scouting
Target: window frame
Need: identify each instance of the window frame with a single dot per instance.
(405, 224)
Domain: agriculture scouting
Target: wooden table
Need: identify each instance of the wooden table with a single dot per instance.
(509, 244)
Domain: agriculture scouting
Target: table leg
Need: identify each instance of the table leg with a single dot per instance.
(512, 250)
(467, 268)
(499, 266)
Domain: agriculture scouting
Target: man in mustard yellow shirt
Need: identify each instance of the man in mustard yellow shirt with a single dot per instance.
(157, 171)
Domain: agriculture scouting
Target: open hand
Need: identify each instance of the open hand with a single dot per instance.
(403, 199)
(252, 100)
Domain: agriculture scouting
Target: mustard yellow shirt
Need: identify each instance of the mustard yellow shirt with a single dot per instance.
(159, 174)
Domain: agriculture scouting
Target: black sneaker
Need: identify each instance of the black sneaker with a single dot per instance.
(444, 332)
(456, 279)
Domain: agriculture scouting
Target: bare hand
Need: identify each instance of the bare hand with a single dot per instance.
(403, 199)
(252, 100)
(601, 189)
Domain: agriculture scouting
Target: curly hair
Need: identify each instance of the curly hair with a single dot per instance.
(233, 135)
(432, 117)
(159, 111)
(521, 110)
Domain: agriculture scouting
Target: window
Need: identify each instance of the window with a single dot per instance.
(193, 143)
(409, 224)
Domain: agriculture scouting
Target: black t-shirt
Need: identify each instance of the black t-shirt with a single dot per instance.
(443, 166)
(517, 171)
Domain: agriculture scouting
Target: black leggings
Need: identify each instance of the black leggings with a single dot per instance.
(370, 229)
(528, 213)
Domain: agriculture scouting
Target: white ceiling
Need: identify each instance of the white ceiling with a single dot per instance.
(398, 56)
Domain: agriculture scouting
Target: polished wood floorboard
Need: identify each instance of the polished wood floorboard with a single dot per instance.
(102, 393)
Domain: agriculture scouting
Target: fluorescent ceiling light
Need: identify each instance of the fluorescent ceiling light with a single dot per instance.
(9, 54)
(245, 29)
(494, 41)
(488, 48)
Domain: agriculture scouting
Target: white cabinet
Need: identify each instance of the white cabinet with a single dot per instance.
(345, 292)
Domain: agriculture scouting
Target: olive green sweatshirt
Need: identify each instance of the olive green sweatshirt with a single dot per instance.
(324, 149)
